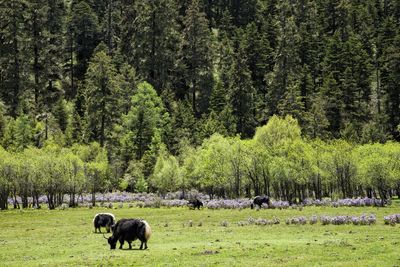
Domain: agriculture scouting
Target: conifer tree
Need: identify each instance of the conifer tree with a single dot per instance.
(101, 94)
(197, 55)
(287, 65)
(390, 83)
(146, 118)
(84, 28)
(242, 94)
(149, 40)
(14, 56)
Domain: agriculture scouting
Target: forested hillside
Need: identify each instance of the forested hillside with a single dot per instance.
(139, 85)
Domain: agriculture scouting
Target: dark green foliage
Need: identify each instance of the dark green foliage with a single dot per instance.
(242, 95)
(2, 121)
(14, 60)
(84, 28)
(146, 119)
(102, 97)
(61, 114)
(143, 76)
(196, 57)
(390, 84)
(150, 41)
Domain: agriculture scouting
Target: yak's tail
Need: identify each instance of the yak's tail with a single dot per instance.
(147, 231)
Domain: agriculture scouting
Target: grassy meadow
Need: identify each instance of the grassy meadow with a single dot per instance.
(67, 238)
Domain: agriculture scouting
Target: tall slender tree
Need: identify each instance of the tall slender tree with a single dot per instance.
(101, 93)
(197, 56)
(14, 56)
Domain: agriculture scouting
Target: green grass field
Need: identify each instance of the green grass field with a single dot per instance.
(67, 238)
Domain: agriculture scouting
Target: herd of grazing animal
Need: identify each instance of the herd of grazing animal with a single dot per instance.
(130, 230)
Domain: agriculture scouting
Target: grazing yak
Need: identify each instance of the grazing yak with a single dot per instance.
(106, 220)
(259, 200)
(129, 230)
(195, 203)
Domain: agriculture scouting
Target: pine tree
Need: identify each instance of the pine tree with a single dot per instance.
(197, 55)
(149, 40)
(102, 91)
(84, 29)
(146, 118)
(183, 125)
(243, 11)
(334, 103)
(14, 56)
(260, 62)
(37, 20)
(128, 83)
(242, 94)
(54, 50)
(316, 121)
(60, 113)
(74, 131)
(390, 85)
(286, 71)
(218, 98)
(292, 103)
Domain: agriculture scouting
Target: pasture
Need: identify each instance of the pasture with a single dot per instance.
(183, 237)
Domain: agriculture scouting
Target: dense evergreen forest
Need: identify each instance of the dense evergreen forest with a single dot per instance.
(235, 98)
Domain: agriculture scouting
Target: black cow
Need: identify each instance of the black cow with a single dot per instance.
(103, 220)
(129, 230)
(259, 200)
(195, 203)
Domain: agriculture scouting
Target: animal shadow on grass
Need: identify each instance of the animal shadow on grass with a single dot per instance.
(138, 249)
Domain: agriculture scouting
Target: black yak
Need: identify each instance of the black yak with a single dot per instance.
(195, 203)
(129, 230)
(103, 220)
(259, 200)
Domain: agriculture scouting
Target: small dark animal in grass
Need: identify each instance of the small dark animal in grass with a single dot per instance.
(103, 220)
(195, 203)
(129, 230)
(259, 200)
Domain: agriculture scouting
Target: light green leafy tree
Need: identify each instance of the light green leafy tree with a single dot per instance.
(5, 178)
(376, 167)
(213, 165)
(167, 174)
(339, 163)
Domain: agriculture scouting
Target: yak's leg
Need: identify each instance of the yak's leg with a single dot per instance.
(130, 245)
(108, 228)
(145, 245)
(141, 245)
(121, 241)
(99, 230)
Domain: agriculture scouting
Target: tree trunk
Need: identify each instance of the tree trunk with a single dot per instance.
(24, 199)
(36, 195)
(4, 199)
(93, 198)
(50, 200)
(16, 74)
(36, 59)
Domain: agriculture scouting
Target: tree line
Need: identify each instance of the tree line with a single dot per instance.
(281, 163)
(277, 161)
(52, 172)
(142, 78)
